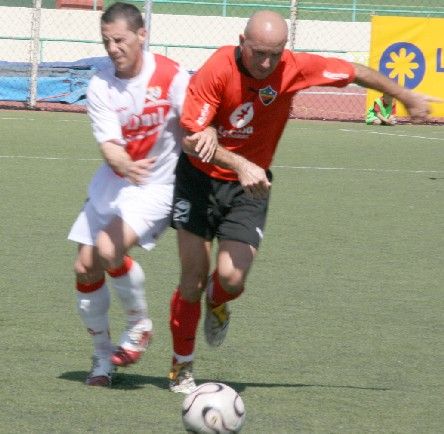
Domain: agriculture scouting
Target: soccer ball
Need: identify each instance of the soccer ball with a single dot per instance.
(213, 408)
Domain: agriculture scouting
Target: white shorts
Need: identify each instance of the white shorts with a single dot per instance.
(146, 209)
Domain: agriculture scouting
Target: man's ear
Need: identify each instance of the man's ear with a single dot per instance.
(241, 39)
(141, 34)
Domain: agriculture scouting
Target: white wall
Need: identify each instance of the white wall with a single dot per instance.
(349, 40)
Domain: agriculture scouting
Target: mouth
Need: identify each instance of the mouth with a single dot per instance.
(262, 74)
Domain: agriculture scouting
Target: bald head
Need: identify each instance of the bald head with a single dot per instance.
(267, 26)
(263, 43)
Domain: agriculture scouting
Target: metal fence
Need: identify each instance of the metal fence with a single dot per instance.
(40, 40)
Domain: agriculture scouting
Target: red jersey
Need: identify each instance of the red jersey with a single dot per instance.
(250, 114)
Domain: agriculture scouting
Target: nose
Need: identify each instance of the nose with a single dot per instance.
(111, 47)
(266, 63)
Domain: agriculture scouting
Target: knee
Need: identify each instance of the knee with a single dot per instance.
(108, 252)
(232, 282)
(87, 272)
(82, 269)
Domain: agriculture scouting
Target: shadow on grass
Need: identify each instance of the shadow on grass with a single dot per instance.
(133, 381)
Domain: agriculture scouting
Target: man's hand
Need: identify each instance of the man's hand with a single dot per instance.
(418, 106)
(253, 179)
(137, 171)
(120, 161)
(202, 144)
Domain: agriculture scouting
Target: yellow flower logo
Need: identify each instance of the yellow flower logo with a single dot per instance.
(402, 65)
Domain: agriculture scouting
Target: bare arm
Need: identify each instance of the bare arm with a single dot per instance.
(252, 177)
(384, 120)
(202, 144)
(119, 160)
(416, 104)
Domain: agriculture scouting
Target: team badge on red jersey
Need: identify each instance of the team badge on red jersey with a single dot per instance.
(267, 95)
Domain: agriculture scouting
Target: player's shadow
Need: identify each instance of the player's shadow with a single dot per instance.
(125, 381)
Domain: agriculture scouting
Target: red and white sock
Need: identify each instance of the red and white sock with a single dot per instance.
(184, 318)
(93, 301)
(128, 280)
(216, 294)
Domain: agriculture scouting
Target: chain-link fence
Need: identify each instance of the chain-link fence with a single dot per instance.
(54, 46)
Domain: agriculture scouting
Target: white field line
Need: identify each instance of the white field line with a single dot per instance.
(29, 157)
(352, 169)
(313, 168)
(34, 119)
(410, 136)
(398, 134)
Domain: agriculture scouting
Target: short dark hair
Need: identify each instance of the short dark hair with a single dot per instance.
(125, 11)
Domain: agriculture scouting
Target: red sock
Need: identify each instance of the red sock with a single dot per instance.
(217, 294)
(123, 269)
(184, 317)
(90, 287)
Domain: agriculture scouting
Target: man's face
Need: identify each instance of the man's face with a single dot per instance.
(260, 58)
(123, 47)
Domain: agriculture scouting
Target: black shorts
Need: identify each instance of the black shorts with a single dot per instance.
(212, 208)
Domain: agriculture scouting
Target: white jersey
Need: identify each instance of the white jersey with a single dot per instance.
(140, 112)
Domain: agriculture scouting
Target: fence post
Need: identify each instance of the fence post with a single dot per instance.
(354, 11)
(224, 8)
(148, 10)
(35, 49)
(293, 18)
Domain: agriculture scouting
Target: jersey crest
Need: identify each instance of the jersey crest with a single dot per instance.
(267, 95)
(142, 130)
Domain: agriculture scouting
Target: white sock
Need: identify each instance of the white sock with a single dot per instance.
(183, 359)
(93, 309)
(131, 291)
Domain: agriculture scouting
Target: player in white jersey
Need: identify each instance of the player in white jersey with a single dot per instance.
(134, 105)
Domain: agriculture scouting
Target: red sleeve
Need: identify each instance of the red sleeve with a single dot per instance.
(324, 71)
(204, 94)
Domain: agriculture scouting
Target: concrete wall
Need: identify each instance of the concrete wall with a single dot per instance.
(349, 40)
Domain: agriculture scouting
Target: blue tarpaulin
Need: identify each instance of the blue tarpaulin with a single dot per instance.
(62, 82)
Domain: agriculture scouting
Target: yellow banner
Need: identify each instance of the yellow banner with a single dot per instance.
(410, 51)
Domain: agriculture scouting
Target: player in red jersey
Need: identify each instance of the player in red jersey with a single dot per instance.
(245, 92)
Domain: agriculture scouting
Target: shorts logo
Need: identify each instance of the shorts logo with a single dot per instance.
(181, 212)
(267, 95)
(260, 233)
(242, 115)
